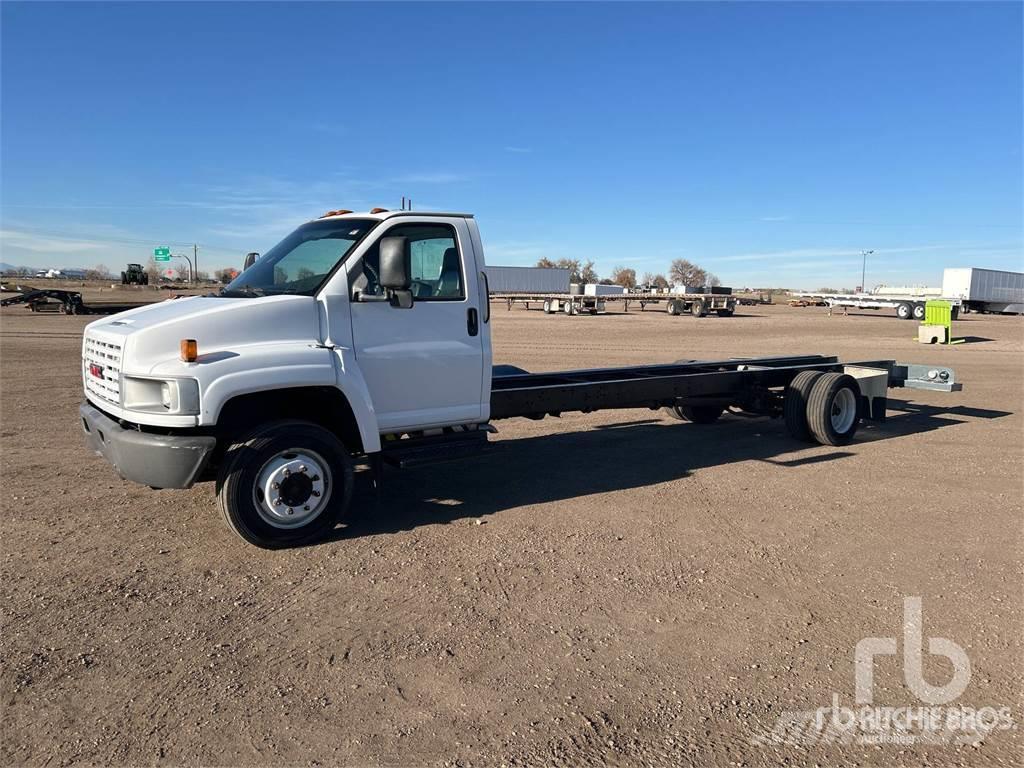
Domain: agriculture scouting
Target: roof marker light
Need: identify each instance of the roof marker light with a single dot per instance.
(189, 350)
(338, 212)
(378, 210)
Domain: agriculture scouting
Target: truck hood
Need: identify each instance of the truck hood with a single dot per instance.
(151, 335)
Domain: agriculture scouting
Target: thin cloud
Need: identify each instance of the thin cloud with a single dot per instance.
(36, 243)
(435, 177)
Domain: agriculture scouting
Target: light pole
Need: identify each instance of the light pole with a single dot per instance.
(864, 269)
(191, 267)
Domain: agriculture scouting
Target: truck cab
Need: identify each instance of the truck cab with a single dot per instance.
(356, 328)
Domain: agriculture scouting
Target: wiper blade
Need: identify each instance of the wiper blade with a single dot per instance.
(245, 290)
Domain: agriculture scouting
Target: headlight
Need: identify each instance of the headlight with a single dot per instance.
(176, 397)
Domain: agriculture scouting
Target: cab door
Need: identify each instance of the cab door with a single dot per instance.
(423, 365)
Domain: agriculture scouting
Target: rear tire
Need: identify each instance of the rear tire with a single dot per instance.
(698, 308)
(904, 311)
(673, 307)
(547, 306)
(795, 407)
(307, 506)
(919, 311)
(698, 414)
(832, 409)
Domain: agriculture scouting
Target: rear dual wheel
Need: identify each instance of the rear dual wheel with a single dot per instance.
(822, 407)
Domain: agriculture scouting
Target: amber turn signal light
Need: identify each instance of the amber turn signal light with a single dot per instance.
(189, 350)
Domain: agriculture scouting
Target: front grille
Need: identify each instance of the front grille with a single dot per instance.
(107, 356)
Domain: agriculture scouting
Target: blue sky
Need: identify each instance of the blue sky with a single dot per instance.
(768, 142)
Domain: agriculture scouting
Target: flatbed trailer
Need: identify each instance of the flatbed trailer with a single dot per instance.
(66, 302)
(696, 304)
(907, 307)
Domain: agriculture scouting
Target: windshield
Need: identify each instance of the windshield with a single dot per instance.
(302, 261)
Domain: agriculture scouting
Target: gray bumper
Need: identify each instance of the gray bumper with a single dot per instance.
(160, 461)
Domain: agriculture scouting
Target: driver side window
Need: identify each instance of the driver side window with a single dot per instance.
(436, 264)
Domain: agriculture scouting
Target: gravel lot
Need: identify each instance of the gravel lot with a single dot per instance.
(615, 588)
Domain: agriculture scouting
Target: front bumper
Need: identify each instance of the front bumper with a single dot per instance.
(159, 461)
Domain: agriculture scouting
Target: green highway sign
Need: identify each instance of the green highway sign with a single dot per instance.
(161, 258)
(163, 250)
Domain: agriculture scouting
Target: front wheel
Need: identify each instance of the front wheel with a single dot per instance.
(284, 484)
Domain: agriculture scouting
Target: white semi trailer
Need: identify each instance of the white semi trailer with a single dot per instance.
(367, 337)
(985, 290)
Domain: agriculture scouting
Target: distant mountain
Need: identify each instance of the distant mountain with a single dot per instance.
(5, 267)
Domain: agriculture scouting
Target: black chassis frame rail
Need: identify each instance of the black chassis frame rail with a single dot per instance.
(742, 381)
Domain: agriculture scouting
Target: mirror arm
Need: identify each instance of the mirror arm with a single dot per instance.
(368, 297)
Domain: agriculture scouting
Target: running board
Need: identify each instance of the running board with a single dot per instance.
(421, 451)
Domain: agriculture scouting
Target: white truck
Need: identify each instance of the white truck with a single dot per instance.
(366, 337)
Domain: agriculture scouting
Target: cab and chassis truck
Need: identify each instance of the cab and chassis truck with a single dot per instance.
(365, 337)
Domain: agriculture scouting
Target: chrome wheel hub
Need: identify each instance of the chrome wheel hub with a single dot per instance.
(292, 488)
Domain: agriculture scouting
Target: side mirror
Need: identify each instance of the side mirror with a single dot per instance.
(395, 270)
(250, 259)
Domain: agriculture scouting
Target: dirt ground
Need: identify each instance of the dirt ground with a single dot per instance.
(617, 588)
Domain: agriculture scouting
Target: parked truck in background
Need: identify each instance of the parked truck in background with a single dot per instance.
(365, 337)
(985, 290)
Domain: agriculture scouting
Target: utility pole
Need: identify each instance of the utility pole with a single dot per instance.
(195, 260)
(863, 270)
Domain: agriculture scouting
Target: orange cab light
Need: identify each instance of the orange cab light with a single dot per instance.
(379, 210)
(338, 212)
(189, 350)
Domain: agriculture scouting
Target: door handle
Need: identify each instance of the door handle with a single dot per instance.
(472, 324)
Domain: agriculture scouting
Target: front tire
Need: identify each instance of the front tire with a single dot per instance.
(285, 484)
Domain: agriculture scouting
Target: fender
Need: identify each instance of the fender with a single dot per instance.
(259, 368)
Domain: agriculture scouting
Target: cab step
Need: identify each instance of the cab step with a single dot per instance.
(421, 451)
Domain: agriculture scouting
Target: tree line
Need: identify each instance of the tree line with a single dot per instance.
(680, 272)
